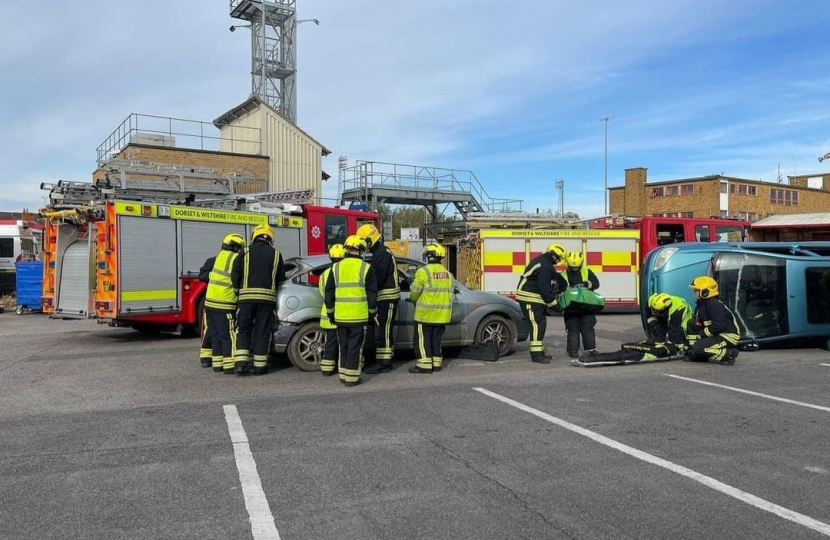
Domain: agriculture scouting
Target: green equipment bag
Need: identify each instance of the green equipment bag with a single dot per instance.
(581, 300)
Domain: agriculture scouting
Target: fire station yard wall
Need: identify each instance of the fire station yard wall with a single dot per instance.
(149, 276)
(256, 166)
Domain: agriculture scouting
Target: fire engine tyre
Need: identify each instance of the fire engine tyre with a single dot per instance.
(498, 328)
(305, 350)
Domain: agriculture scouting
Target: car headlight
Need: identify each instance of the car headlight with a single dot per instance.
(663, 257)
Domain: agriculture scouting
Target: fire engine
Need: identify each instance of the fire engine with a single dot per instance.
(133, 260)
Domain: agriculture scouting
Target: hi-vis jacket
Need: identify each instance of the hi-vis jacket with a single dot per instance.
(671, 326)
(325, 323)
(716, 320)
(536, 283)
(386, 272)
(221, 294)
(257, 273)
(431, 292)
(351, 292)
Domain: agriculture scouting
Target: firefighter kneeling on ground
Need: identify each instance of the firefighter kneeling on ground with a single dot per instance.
(351, 299)
(536, 293)
(221, 303)
(257, 274)
(330, 350)
(579, 323)
(713, 331)
(381, 336)
(666, 325)
(431, 292)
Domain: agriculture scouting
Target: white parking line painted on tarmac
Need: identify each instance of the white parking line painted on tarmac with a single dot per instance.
(826, 365)
(259, 513)
(707, 481)
(751, 393)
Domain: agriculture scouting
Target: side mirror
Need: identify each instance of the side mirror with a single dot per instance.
(456, 290)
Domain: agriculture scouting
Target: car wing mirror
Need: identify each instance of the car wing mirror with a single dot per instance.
(456, 290)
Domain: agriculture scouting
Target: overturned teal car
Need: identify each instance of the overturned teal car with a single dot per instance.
(778, 291)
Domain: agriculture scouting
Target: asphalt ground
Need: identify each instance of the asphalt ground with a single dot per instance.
(110, 433)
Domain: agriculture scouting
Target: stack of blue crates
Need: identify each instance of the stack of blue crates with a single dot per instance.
(29, 284)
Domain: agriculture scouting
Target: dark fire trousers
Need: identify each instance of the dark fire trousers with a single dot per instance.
(222, 325)
(255, 321)
(577, 324)
(427, 343)
(351, 352)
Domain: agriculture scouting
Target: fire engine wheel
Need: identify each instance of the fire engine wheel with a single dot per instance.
(496, 328)
(305, 350)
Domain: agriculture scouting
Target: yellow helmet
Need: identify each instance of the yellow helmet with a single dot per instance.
(369, 233)
(435, 251)
(707, 286)
(659, 301)
(337, 251)
(557, 250)
(233, 239)
(574, 259)
(355, 242)
(263, 230)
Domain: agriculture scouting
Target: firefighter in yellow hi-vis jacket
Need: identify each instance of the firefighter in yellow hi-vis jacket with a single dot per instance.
(351, 299)
(257, 274)
(536, 293)
(220, 303)
(330, 351)
(431, 292)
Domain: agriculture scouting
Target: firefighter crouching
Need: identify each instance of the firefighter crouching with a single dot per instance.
(382, 335)
(206, 348)
(330, 350)
(220, 303)
(713, 331)
(577, 322)
(536, 293)
(257, 274)
(670, 315)
(351, 300)
(431, 292)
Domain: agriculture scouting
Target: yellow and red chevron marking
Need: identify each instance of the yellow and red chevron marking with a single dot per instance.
(510, 262)
(611, 261)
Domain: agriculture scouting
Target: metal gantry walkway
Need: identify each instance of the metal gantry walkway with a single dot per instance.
(374, 182)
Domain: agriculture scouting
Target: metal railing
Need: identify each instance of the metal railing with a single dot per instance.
(178, 133)
(369, 174)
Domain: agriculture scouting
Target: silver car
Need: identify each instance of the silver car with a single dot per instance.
(477, 316)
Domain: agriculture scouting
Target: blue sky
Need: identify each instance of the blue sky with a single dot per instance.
(510, 90)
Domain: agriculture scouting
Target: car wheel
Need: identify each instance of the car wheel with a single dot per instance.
(305, 350)
(497, 328)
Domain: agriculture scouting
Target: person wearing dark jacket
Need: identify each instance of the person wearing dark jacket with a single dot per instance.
(713, 331)
(351, 300)
(577, 322)
(206, 349)
(389, 294)
(257, 274)
(536, 293)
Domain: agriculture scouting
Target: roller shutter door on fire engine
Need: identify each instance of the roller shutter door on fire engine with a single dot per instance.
(149, 276)
(201, 241)
(73, 295)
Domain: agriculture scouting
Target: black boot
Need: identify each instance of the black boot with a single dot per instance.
(539, 358)
(379, 367)
(206, 362)
(416, 369)
(218, 369)
(729, 358)
(261, 370)
(242, 368)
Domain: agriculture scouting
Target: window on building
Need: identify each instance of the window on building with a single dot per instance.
(786, 197)
(732, 188)
(687, 189)
(724, 213)
(724, 187)
(672, 191)
(657, 192)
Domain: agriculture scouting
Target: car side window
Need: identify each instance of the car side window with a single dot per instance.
(817, 281)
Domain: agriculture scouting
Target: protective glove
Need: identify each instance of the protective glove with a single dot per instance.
(331, 318)
(587, 284)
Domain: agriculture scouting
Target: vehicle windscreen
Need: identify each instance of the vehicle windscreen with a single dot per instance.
(754, 287)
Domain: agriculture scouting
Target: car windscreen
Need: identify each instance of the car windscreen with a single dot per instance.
(754, 287)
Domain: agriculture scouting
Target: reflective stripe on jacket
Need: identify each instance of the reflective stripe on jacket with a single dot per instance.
(220, 291)
(261, 273)
(432, 291)
(536, 284)
(324, 316)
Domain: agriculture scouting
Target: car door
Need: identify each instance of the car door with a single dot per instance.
(406, 310)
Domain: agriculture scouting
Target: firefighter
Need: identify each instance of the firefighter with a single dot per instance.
(206, 349)
(257, 274)
(670, 315)
(578, 322)
(537, 293)
(713, 331)
(220, 303)
(381, 336)
(330, 351)
(351, 300)
(431, 292)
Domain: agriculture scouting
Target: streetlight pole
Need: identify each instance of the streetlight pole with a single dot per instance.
(606, 119)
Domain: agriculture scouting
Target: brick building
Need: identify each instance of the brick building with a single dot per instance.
(718, 196)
